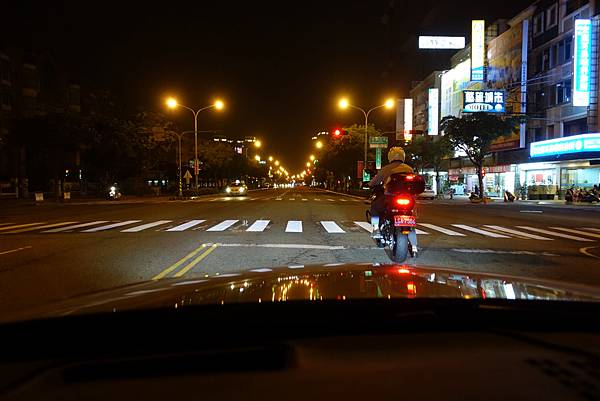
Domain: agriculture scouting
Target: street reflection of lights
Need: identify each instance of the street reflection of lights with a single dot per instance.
(232, 286)
(241, 289)
(246, 284)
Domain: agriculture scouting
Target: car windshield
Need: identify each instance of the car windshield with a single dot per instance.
(364, 144)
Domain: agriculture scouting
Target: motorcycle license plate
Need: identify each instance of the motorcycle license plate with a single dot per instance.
(405, 221)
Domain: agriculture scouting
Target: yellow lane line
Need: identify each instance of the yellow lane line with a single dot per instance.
(16, 250)
(586, 253)
(21, 225)
(195, 261)
(22, 230)
(179, 263)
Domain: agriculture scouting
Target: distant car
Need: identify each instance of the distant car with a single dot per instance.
(237, 188)
(428, 194)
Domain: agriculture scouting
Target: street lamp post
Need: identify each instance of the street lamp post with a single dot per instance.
(344, 104)
(172, 103)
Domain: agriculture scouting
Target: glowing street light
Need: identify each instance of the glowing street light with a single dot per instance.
(344, 104)
(257, 158)
(270, 158)
(277, 162)
(308, 164)
(312, 158)
(172, 103)
(319, 144)
(257, 143)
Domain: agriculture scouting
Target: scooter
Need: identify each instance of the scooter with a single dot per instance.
(397, 224)
(113, 192)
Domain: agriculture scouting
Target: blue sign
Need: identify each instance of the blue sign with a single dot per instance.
(567, 145)
(490, 101)
(581, 64)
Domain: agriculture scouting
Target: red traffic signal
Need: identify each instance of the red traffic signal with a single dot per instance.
(337, 133)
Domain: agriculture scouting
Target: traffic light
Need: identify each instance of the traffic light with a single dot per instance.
(337, 133)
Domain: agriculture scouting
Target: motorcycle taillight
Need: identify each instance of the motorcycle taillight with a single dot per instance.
(403, 201)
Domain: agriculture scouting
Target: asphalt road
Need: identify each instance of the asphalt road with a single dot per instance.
(56, 251)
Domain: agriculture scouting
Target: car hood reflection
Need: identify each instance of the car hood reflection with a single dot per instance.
(339, 282)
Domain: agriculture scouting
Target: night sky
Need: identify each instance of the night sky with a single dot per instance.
(280, 66)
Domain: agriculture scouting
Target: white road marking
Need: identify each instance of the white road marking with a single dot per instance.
(593, 229)
(332, 227)
(531, 211)
(442, 230)
(343, 200)
(367, 226)
(555, 234)
(330, 200)
(285, 246)
(292, 199)
(494, 251)
(478, 231)
(521, 233)
(185, 226)
(109, 226)
(304, 199)
(294, 226)
(569, 230)
(222, 226)
(317, 199)
(278, 199)
(419, 232)
(145, 226)
(264, 270)
(58, 230)
(258, 226)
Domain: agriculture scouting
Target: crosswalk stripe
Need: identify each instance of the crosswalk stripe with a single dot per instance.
(367, 226)
(343, 200)
(61, 229)
(569, 230)
(21, 225)
(258, 226)
(292, 199)
(555, 234)
(332, 227)
(419, 232)
(22, 230)
(109, 226)
(304, 200)
(478, 231)
(521, 233)
(330, 200)
(442, 230)
(145, 226)
(593, 229)
(185, 226)
(222, 226)
(293, 226)
(317, 199)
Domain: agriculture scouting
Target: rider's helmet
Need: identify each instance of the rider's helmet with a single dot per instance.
(396, 154)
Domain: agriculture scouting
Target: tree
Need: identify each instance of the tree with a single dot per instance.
(474, 134)
(416, 153)
(439, 149)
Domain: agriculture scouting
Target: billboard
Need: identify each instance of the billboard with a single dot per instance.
(581, 65)
(566, 145)
(433, 111)
(441, 42)
(408, 119)
(477, 49)
(490, 101)
(453, 83)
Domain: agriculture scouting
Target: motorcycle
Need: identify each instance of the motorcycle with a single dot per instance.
(398, 223)
(113, 192)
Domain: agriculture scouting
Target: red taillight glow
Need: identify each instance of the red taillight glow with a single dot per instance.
(403, 271)
(403, 201)
(411, 288)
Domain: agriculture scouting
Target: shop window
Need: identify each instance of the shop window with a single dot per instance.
(573, 5)
(538, 24)
(563, 92)
(550, 131)
(539, 135)
(575, 127)
(553, 56)
(568, 49)
(552, 16)
(546, 59)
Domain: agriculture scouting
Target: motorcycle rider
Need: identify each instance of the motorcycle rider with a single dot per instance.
(396, 157)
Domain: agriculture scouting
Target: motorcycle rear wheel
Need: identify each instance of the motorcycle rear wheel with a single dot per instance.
(400, 250)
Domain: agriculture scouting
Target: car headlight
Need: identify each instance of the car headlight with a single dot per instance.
(228, 190)
(242, 189)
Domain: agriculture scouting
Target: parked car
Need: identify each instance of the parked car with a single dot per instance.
(428, 194)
